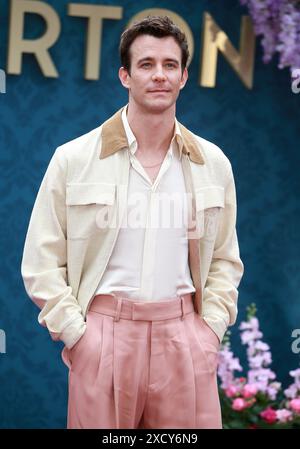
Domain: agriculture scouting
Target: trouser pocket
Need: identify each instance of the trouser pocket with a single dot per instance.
(65, 354)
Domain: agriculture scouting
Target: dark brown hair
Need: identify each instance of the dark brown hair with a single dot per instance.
(156, 26)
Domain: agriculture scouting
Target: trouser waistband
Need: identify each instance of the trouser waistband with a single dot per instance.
(119, 307)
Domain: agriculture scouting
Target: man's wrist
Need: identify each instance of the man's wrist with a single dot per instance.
(217, 325)
(71, 333)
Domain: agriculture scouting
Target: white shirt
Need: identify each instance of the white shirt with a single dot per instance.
(150, 258)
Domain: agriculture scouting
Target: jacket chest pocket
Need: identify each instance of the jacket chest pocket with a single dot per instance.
(89, 208)
(209, 204)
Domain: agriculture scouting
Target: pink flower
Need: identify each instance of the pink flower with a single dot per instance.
(239, 404)
(284, 415)
(269, 415)
(231, 391)
(295, 405)
(249, 390)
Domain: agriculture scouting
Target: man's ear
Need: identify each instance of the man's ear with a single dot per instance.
(184, 78)
(124, 77)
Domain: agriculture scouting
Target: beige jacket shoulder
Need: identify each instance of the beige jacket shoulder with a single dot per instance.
(76, 217)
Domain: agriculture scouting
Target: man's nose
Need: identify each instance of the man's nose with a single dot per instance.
(159, 75)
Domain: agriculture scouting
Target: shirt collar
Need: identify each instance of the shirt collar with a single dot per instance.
(113, 139)
(132, 142)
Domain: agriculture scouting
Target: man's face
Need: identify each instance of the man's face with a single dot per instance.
(155, 75)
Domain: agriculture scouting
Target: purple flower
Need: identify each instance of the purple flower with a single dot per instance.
(272, 389)
(259, 345)
(226, 366)
(278, 22)
(293, 391)
(248, 336)
(252, 324)
(259, 359)
(296, 373)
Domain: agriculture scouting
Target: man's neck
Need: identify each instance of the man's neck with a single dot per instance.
(153, 132)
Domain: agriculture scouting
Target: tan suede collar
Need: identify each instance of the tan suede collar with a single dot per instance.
(114, 139)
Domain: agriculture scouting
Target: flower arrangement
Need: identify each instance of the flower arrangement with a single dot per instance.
(255, 401)
(278, 21)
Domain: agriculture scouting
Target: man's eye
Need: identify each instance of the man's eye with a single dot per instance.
(170, 65)
(146, 64)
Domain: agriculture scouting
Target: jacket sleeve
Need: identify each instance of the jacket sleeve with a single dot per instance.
(226, 269)
(44, 261)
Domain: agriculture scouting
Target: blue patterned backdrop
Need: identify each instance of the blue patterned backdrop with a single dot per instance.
(257, 129)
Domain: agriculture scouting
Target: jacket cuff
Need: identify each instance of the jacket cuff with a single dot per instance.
(217, 325)
(71, 333)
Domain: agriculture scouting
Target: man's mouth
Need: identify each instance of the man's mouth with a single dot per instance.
(159, 90)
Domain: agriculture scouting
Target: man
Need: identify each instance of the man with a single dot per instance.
(141, 309)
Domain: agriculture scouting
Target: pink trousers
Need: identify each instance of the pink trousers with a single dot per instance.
(143, 365)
